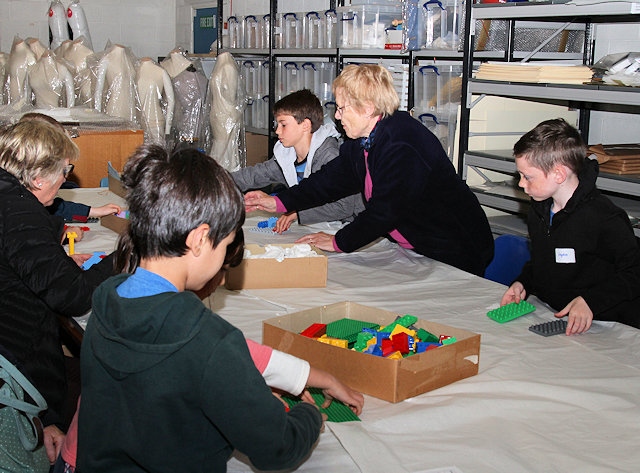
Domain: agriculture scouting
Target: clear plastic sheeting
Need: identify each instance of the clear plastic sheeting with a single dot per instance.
(619, 69)
(157, 100)
(75, 119)
(190, 95)
(77, 56)
(21, 59)
(115, 92)
(51, 82)
(4, 70)
(228, 102)
(57, 23)
(78, 22)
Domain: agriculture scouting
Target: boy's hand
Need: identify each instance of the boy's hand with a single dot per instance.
(109, 209)
(515, 293)
(344, 393)
(284, 222)
(580, 316)
(258, 200)
(80, 258)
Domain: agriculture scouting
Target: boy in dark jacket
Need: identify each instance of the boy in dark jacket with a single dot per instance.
(167, 385)
(585, 260)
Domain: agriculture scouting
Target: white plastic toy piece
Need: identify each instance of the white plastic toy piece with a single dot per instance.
(78, 22)
(57, 23)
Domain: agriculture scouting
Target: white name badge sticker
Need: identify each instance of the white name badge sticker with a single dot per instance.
(565, 255)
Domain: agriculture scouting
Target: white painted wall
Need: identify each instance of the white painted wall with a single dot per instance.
(147, 26)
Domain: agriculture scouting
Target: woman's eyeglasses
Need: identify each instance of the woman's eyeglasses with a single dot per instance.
(68, 169)
(340, 110)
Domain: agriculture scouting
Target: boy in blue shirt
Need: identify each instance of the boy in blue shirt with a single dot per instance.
(167, 385)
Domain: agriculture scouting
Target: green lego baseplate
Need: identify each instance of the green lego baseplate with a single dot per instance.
(348, 329)
(336, 412)
(511, 311)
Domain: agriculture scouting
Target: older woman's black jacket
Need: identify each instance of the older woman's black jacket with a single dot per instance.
(415, 190)
(38, 282)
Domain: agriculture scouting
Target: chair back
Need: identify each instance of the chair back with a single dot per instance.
(510, 254)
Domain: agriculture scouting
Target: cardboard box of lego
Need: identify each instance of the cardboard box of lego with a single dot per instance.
(117, 223)
(265, 273)
(392, 380)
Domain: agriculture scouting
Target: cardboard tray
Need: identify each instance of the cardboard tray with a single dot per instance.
(387, 379)
(259, 273)
(112, 222)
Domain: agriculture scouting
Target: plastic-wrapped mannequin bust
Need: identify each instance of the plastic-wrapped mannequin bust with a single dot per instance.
(76, 55)
(37, 47)
(227, 106)
(20, 60)
(4, 70)
(156, 100)
(190, 91)
(115, 83)
(175, 62)
(51, 83)
(62, 48)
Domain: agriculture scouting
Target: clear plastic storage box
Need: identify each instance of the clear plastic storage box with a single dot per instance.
(363, 26)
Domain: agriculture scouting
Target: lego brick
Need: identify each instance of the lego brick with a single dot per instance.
(336, 412)
(348, 329)
(511, 311)
(553, 327)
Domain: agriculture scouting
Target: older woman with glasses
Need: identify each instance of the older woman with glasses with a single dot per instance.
(412, 193)
(38, 280)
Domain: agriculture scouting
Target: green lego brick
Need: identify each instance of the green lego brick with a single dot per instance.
(426, 336)
(348, 329)
(336, 412)
(405, 321)
(511, 311)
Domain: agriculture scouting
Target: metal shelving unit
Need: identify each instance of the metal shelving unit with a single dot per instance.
(584, 97)
(340, 55)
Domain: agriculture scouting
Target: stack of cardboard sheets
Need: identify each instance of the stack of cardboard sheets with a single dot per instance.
(534, 72)
(617, 158)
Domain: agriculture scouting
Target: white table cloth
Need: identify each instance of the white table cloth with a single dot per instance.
(538, 404)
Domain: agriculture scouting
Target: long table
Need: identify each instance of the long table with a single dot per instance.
(538, 404)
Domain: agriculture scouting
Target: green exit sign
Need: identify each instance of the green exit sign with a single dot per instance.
(208, 22)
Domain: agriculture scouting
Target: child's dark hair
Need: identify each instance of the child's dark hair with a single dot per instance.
(235, 251)
(552, 142)
(168, 196)
(300, 105)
